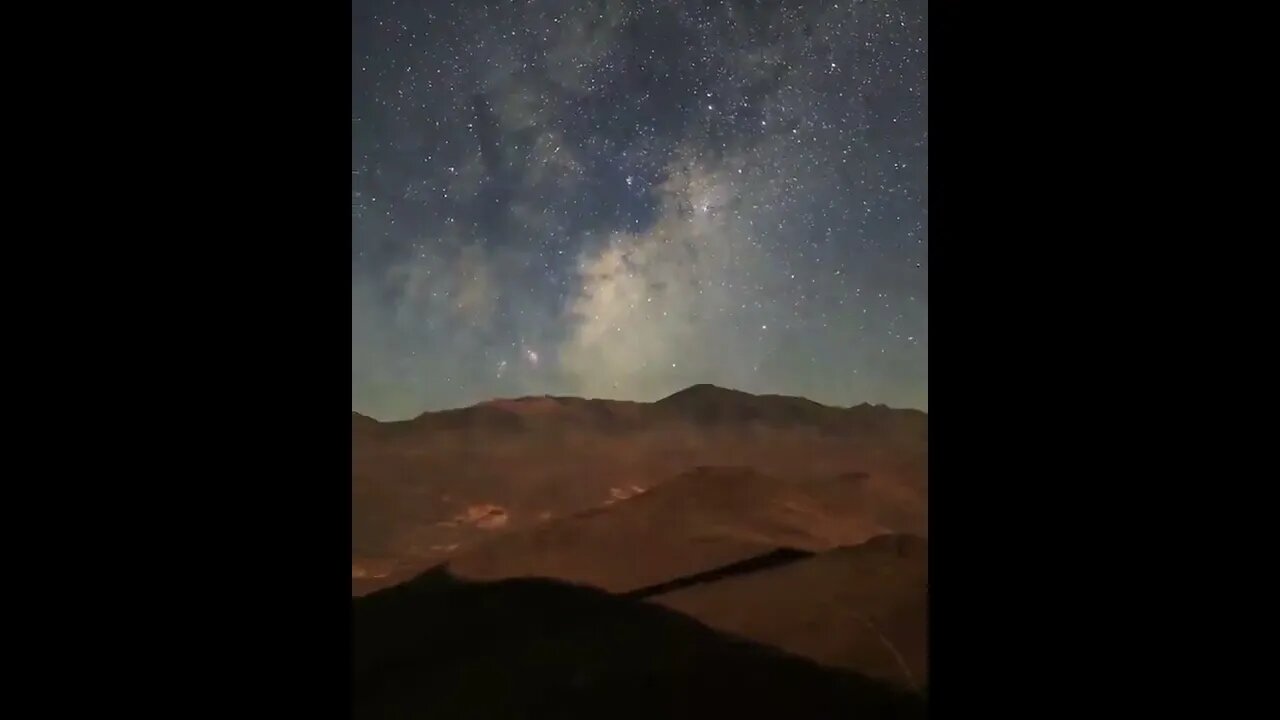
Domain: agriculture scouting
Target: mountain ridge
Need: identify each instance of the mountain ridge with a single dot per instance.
(427, 489)
(698, 392)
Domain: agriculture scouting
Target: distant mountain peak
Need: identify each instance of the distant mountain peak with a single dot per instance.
(706, 390)
(705, 402)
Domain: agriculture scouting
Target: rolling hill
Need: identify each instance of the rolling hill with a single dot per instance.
(429, 489)
(715, 553)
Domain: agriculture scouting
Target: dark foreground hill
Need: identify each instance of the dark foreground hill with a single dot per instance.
(440, 647)
(707, 543)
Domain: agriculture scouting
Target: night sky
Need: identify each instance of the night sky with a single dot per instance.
(620, 199)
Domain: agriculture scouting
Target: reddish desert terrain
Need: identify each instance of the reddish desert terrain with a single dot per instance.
(777, 520)
(439, 487)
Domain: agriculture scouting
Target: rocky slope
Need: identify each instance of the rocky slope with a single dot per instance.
(437, 487)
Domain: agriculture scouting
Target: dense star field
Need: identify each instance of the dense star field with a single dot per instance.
(620, 199)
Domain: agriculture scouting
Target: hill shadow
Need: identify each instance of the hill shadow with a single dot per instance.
(441, 647)
(776, 558)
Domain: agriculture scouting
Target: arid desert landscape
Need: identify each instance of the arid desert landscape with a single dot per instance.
(549, 556)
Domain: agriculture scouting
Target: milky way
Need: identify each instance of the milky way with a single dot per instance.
(620, 199)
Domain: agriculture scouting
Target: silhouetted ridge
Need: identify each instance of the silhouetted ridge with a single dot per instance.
(705, 392)
(702, 398)
(708, 404)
